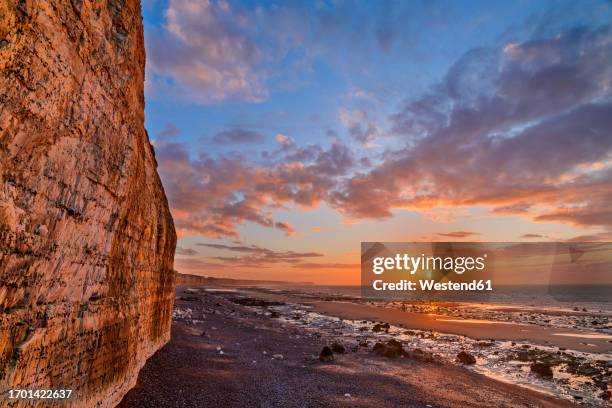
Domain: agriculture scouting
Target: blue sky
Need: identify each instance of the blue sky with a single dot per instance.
(349, 66)
(273, 122)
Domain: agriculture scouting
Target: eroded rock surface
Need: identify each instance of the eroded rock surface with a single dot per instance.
(86, 237)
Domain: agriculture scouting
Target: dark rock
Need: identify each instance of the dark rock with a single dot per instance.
(337, 348)
(378, 327)
(587, 370)
(600, 382)
(391, 352)
(542, 369)
(394, 343)
(466, 358)
(247, 301)
(379, 348)
(528, 355)
(393, 349)
(420, 355)
(326, 354)
(606, 395)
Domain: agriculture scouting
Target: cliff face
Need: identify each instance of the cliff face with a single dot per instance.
(86, 237)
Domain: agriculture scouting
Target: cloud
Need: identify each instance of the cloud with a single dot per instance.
(359, 126)
(253, 255)
(314, 265)
(285, 141)
(533, 236)
(195, 264)
(285, 227)
(524, 129)
(211, 197)
(169, 131)
(236, 248)
(185, 251)
(237, 136)
(204, 53)
(458, 234)
(598, 237)
(518, 208)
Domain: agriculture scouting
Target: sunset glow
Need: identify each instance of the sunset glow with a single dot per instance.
(286, 133)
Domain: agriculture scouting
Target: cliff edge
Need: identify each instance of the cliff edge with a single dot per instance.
(86, 237)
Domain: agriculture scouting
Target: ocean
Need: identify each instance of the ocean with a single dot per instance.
(591, 297)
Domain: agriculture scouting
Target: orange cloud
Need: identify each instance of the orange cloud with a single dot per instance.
(518, 132)
(458, 234)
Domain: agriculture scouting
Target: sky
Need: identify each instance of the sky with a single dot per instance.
(286, 133)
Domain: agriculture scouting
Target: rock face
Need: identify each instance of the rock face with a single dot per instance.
(185, 279)
(86, 237)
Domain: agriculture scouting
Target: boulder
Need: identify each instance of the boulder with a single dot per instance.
(379, 348)
(326, 354)
(587, 370)
(544, 370)
(393, 349)
(466, 358)
(379, 327)
(337, 348)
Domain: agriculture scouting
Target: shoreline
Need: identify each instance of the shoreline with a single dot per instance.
(490, 330)
(226, 353)
(568, 338)
(560, 361)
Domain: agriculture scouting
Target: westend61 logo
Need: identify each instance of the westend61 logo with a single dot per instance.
(426, 267)
(429, 265)
(485, 271)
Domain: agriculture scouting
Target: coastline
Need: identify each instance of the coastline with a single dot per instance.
(234, 354)
(492, 330)
(569, 338)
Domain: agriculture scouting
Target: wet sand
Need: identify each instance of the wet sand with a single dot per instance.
(225, 355)
(489, 330)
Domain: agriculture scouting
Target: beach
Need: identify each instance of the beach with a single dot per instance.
(257, 347)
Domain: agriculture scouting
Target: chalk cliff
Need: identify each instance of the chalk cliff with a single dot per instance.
(86, 237)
